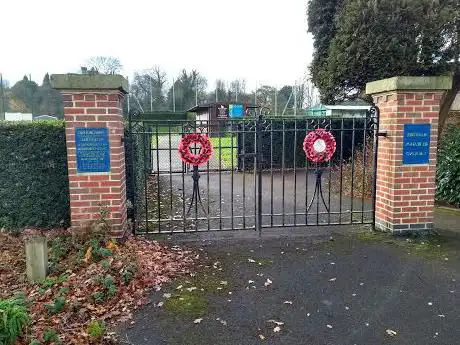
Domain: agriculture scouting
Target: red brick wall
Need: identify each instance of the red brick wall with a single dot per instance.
(89, 192)
(405, 193)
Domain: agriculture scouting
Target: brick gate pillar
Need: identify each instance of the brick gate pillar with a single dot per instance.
(95, 149)
(406, 163)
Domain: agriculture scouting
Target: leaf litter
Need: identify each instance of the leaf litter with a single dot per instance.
(108, 289)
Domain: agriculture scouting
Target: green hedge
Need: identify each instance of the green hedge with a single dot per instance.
(137, 166)
(290, 134)
(34, 187)
(448, 169)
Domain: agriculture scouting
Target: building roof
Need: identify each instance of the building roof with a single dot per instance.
(206, 106)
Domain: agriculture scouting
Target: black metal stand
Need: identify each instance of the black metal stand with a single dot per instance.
(196, 197)
(318, 190)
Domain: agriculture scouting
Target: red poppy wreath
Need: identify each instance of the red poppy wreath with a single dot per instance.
(319, 145)
(186, 154)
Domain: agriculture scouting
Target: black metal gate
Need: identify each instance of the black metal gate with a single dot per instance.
(258, 176)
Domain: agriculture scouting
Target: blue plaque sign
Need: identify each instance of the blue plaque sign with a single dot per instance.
(236, 110)
(93, 151)
(416, 149)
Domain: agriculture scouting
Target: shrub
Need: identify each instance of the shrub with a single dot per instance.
(58, 303)
(448, 169)
(362, 170)
(13, 319)
(96, 329)
(33, 171)
(50, 336)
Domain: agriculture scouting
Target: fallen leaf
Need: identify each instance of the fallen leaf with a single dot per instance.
(251, 260)
(391, 333)
(278, 323)
(250, 281)
(179, 287)
(88, 254)
(268, 282)
(166, 295)
(223, 322)
(160, 304)
(328, 326)
(261, 336)
(111, 245)
(332, 279)
(277, 329)
(223, 282)
(287, 302)
(197, 320)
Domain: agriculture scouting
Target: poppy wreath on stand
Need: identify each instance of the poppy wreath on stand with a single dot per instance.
(319, 145)
(185, 147)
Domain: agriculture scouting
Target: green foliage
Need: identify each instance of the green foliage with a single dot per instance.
(110, 286)
(50, 336)
(49, 282)
(60, 247)
(282, 142)
(24, 91)
(448, 169)
(96, 329)
(185, 87)
(34, 188)
(371, 40)
(59, 302)
(99, 252)
(136, 151)
(27, 96)
(98, 296)
(34, 342)
(226, 150)
(13, 319)
(128, 273)
(106, 264)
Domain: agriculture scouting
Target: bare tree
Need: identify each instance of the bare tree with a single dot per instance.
(237, 88)
(148, 87)
(105, 64)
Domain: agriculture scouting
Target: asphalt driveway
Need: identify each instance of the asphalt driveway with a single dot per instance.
(355, 289)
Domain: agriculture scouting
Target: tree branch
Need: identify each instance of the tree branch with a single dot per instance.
(448, 99)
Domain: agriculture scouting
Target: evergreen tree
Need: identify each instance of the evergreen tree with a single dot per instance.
(48, 100)
(381, 38)
(24, 92)
(321, 21)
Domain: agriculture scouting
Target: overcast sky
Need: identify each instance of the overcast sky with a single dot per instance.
(262, 41)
